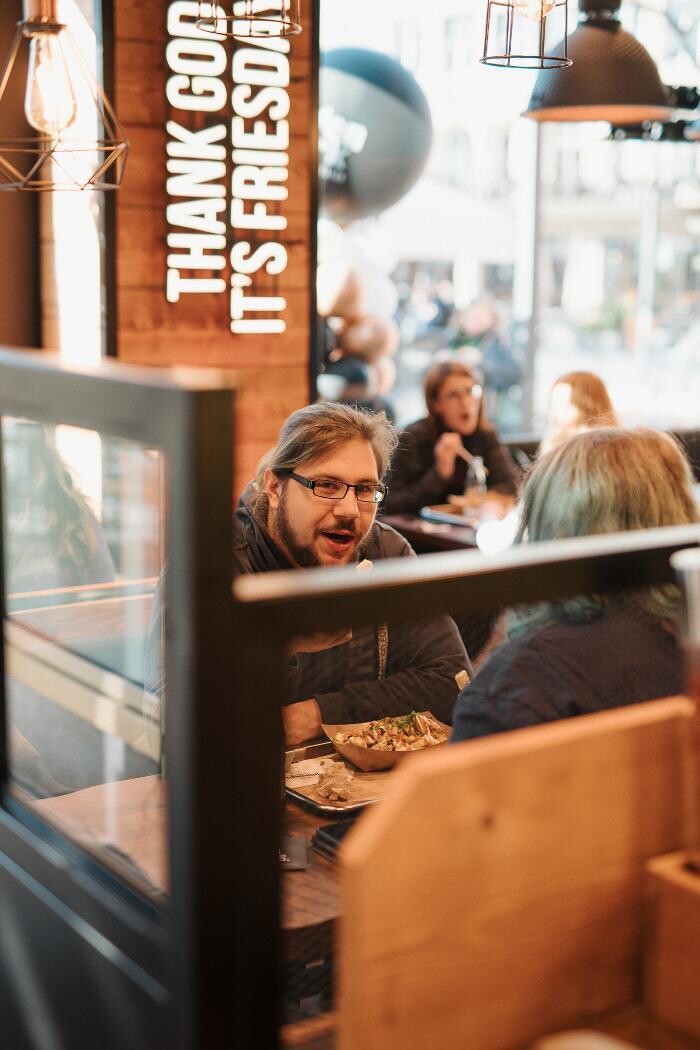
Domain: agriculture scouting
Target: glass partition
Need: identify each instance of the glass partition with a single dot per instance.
(84, 517)
(113, 869)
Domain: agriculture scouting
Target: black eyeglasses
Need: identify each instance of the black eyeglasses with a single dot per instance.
(365, 491)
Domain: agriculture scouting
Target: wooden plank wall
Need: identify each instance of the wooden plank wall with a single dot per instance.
(20, 312)
(272, 370)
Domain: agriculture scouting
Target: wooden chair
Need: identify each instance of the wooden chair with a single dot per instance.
(497, 894)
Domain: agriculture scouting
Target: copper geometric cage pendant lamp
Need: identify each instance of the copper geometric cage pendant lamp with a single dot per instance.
(251, 18)
(516, 34)
(79, 143)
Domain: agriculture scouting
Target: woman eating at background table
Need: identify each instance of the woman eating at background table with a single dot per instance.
(434, 455)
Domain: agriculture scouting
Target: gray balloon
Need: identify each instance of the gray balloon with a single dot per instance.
(375, 133)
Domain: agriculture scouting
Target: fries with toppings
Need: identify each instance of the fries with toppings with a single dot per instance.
(407, 733)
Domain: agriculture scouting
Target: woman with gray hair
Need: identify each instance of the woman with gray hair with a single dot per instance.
(591, 652)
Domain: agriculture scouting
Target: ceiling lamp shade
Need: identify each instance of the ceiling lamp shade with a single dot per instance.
(612, 78)
(251, 18)
(79, 142)
(516, 34)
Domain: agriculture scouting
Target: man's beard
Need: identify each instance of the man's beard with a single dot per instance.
(305, 557)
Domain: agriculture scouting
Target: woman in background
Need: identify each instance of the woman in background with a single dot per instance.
(578, 401)
(590, 652)
(433, 455)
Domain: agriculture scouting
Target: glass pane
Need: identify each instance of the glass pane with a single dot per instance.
(449, 260)
(83, 551)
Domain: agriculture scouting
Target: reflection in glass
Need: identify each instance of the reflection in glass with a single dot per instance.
(53, 538)
(83, 540)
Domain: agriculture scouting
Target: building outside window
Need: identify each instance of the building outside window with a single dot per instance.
(618, 239)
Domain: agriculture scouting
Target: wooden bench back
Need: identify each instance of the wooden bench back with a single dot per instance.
(496, 895)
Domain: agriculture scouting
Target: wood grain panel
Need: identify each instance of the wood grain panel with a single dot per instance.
(273, 370)
(135, 20)
(497, 894)
(162, 349)
(147, 171)
(673, 947)
(142, 251)
(139, 99)
(260, 410)
(146, 311)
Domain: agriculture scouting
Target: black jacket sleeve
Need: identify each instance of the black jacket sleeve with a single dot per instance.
(424, 657)
(512, 690)
(414, 482)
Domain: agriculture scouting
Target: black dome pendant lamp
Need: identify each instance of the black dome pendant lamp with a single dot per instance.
(613, 78)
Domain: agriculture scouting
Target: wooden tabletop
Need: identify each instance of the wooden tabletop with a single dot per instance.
(427, 537)
(131, 815)
(309, 897)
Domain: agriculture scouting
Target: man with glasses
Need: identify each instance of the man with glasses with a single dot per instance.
(313, 503)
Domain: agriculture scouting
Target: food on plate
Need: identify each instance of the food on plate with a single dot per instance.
(364, 566)
(406, 733)
(335, 781)
(462, 679)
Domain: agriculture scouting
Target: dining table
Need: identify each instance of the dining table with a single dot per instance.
(427, 537)
(125, 823)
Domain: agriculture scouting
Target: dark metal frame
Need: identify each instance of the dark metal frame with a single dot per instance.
(159, 963)
(289, 604)
(104, 33)
(314, 347)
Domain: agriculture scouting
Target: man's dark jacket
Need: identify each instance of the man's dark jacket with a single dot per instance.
(423, 655)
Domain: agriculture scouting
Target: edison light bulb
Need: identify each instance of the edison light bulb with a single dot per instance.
(534, 9)
(49, 102)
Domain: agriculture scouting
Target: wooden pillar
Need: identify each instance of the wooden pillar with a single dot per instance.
(273, 367)
(20, 319)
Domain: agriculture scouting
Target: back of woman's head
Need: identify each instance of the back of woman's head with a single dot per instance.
(608, 480)
(590, 397)
(601, 481)
(577, 401)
